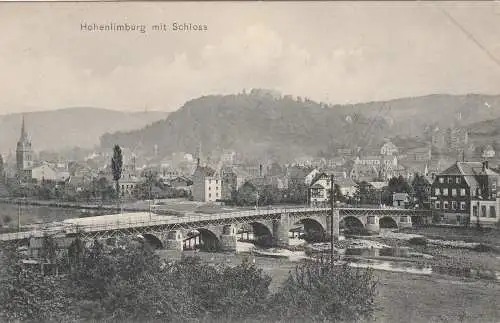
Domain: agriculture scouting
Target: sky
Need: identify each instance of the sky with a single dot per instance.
(332, 52)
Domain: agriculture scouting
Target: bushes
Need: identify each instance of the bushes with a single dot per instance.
(320, 292)
(418, 241)
(485, 248)
(131, 284)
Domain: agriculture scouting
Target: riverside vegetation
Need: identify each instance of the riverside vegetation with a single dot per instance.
(130, 283)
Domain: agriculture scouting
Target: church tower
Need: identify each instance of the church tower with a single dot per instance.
(24, 155)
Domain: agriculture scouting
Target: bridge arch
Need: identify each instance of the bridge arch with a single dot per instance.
(262, 234)
(388, 222)
(153, 240)
(314, 230)
(209, 241)
(351, 224)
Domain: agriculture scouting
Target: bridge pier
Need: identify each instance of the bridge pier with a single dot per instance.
(174, 241)
(281, 228)
(228, 238)
(372, 224)
(405, 221)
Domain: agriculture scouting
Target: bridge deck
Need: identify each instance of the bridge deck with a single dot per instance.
(145, 219)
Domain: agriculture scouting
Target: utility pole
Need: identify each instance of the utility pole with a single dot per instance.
(332, 197)
(478, 210)
(19, 217)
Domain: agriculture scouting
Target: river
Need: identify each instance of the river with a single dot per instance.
(35, 214)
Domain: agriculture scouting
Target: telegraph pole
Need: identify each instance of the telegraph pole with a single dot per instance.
(332, 197)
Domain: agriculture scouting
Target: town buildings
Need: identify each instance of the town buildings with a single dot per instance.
(454, 190)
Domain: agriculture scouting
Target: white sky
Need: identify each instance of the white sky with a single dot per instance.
(333, 52)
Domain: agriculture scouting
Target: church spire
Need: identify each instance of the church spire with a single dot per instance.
(23, 131)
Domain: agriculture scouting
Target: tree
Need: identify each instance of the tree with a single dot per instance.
(398, 185)
(269, 195)
(365, 193)
(246, 195)
(116, 167)
(319, 291)
(421, 188)
(297, 192)
(338, 194)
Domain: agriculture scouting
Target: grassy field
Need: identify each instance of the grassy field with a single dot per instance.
(419, 299)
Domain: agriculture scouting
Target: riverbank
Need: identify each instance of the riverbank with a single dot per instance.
(446, 253)
(402, 297)
(73, 205)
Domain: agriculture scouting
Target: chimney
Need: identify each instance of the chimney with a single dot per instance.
(260, 170)
(198, 161)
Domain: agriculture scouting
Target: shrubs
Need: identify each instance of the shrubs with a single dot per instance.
(418, 241)
(131, 284)
(484, 248)
(321, 292)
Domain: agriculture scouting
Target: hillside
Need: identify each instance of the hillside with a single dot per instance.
(485, 133)
(282, 127)
(64, 128)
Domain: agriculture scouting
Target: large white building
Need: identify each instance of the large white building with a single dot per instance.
(207, 185)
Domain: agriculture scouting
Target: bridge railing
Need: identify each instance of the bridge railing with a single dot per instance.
(135, 223)
(128, 223)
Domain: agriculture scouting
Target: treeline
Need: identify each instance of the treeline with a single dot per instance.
(98, 189)
(130, 283)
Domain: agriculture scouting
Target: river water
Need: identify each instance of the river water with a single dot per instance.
(30, 214)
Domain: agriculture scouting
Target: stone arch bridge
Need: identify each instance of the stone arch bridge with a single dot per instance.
(219, 231)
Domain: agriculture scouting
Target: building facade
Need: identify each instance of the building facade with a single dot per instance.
(207, 185)
(454, 189)
(389, 149)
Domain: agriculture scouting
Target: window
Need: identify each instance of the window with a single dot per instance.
(437, 191)
(462, 192)
(458, 180)
(441, 180)
(474, 210)
(370, 219)
(216, 194)
(402, 219)
(445, 205)
(462, 205)
(209, 195)
(445, 191)
(493, 213)
(209, 188)
(453, 205)
(453, 192)
(450, 180)
(483, 211)
(437, 205)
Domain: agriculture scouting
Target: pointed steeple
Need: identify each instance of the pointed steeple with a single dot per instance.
(23, 131)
